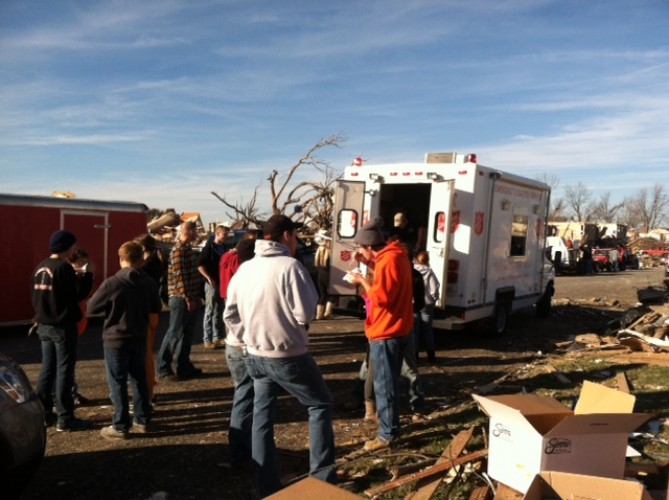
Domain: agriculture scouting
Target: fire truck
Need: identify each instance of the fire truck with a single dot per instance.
(484, 232)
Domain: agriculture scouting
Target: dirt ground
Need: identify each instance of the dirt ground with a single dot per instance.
(185, 457)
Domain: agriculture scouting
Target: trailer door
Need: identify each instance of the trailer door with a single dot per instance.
(348, 215)
(439, 233)
(91, 229)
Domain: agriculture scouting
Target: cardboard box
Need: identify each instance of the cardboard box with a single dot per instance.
(562, 485)
(531, 433)
(313, 488)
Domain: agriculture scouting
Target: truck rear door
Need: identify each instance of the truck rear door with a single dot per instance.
(439, 233)
(348, 217)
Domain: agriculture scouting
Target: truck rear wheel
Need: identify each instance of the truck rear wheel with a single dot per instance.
(499, 319)
(544, 304)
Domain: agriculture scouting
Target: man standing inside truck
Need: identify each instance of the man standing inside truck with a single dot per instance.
(389, 322)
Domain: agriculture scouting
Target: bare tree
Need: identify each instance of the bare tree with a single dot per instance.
(307, 201)
(578, 199)
(557, 205)
(629, 213)
(604, 211)
(652, 205)
(246, 214)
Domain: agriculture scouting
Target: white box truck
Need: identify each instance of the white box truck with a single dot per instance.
(484, 230)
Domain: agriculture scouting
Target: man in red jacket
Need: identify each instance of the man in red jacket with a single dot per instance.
(389, 322)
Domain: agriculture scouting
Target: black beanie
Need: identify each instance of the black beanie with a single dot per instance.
(61, 241)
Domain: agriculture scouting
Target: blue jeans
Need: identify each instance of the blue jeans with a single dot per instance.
(300, 377)
(241, 415)
(422, 328)
(213, 314)
(178, 338)
(409, 371)
(123, 365)
(387, 356)
(59, 357)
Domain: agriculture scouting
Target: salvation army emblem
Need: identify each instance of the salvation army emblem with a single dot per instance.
(455, 221)
(345, 255)
(478, 223)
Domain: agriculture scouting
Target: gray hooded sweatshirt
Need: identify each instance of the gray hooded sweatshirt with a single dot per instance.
(271, 300)
(431, 283)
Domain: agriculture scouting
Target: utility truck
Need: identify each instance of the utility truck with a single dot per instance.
(484, 230)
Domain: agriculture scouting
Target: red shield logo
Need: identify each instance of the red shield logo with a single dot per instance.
(478, 223)
(345, 255)
(455, 221)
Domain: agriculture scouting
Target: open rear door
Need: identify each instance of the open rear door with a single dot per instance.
(440, 232)
(348, 214)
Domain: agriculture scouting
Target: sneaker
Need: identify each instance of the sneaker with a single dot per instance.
(74, 424)
(378, 443)
(166, 376)
(110, 432)
(138, 428)
(209, 345)
(50, 419)
(80, 400)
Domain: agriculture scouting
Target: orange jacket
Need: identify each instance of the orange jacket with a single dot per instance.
(391, 295)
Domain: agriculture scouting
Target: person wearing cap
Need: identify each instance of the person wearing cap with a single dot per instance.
(184, 283)
(271, 301)
(57, 289)
(212, 326)
(389, 321)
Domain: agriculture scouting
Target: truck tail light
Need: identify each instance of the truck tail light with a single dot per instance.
(471, 158)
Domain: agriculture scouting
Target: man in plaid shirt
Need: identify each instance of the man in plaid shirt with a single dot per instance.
(184, 285)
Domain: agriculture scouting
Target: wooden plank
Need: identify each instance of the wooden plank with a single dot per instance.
(453, 450)
(481, 493)
(623, 384)
(437, 469)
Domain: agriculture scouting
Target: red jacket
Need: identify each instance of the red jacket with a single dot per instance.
(391, 295)
(227, 267)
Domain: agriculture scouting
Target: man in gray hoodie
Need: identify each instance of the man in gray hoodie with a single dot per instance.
(271, 300)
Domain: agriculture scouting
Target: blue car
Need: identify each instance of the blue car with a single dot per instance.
(22, 430)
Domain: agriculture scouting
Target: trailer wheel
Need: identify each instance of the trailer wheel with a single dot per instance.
(544, 304)
(499, 319)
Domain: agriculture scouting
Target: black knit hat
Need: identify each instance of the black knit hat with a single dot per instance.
(61, 241)
(370, 234)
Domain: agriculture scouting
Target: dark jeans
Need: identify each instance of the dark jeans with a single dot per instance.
(178, 338)
(300, 377)
(386, 356)
(59, 356)
(241, 415)
(125, 365)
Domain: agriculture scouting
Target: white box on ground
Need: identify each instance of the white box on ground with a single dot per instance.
(530, 433)
(562, 485)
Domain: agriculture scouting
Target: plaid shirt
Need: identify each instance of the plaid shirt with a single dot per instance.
(183, 278)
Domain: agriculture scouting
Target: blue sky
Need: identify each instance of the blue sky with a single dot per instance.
(162, 102)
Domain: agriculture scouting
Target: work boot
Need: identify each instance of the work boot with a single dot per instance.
(370, 411)
(319, 311)
(328, 310)
(378, 443)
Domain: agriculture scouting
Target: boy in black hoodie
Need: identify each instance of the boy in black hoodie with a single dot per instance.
(126, 299)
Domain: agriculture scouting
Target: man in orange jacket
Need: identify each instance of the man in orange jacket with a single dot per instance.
(389, 322)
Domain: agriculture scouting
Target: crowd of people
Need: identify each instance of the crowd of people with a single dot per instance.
(266, 300)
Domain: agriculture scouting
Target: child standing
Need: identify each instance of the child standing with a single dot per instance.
(423, 330)
(126, 299)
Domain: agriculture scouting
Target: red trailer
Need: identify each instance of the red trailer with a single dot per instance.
(28, 221)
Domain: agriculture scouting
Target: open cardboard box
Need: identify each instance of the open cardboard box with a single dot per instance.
(313, 488)
(531, 433)
(564, 486)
